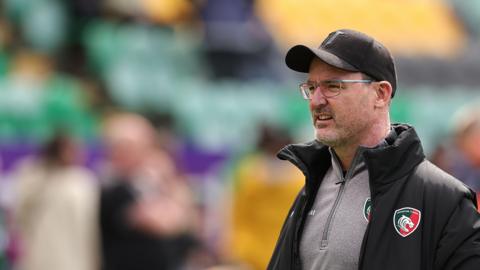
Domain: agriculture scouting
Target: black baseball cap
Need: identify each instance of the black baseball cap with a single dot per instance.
(348, 50)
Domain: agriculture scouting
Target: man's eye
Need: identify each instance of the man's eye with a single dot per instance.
(333, 85)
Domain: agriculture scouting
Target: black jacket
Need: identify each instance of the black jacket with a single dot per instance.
(447, 236)
(127, 248)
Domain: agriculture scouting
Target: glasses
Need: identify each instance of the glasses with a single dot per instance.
(328, 88)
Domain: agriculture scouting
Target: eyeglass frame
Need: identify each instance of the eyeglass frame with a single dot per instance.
(307, 94)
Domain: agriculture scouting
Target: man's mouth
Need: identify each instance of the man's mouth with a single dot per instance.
(323, 117)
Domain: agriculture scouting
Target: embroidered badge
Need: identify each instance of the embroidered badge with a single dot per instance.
(406, 220)
(367, 208)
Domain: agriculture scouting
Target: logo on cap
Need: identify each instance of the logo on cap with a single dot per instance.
(331, 38)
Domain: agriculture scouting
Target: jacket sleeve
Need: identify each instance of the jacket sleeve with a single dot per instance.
(459, 247)
(281, 257)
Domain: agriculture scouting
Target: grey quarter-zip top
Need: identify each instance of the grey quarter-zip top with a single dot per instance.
(336, 223)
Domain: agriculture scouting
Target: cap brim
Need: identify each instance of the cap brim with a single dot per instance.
(299, 58)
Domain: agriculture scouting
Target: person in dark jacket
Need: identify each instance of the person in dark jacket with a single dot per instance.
(147, 218)
(371, 200)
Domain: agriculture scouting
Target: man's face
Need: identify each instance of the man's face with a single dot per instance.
(345, 119)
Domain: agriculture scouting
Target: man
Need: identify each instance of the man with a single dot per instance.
(371, 200)
(55, 208)
(464, 159)
(146, 214)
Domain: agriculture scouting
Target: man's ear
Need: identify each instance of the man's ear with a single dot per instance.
(383, 91)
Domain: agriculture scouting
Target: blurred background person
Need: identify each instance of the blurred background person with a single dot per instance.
(3, 241)
(56, 209)
(236, 42)
(3, 229)
(460, 154)
(263, 185)
(146, 214)
(465, 164)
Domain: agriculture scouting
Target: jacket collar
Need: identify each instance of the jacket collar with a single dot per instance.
(385, 164)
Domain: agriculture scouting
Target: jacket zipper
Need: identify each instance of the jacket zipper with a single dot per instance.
(324, 242)
(341, 191)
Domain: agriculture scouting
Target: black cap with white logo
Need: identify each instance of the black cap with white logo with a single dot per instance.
(348, 50)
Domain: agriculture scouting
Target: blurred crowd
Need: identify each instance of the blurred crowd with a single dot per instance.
(139, 211)
(93, 180)
(124, 143)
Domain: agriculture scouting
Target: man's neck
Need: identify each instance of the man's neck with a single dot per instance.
(346, 153)
(345, 156)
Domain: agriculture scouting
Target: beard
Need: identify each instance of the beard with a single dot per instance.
(331, 138)
(339, 135)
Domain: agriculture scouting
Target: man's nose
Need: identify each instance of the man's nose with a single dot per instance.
(317, 98)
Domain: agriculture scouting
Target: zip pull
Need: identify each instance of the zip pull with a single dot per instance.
(340, 182)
